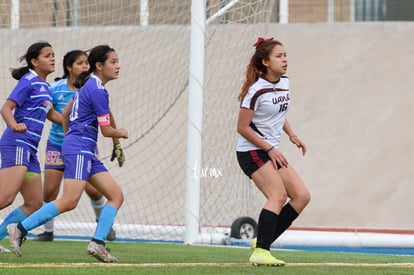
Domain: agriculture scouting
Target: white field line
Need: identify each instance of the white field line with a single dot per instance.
(149, 265)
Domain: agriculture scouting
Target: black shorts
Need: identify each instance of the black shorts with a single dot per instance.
(251, 161)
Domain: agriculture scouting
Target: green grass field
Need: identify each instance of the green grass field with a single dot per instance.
(69, 257)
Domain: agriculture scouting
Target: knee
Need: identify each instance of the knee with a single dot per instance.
(116, 199)
(50, 195)
(65, 205)
(120, 199)
(303, 199)
(4, 202)
(279, 198)
(306, 197)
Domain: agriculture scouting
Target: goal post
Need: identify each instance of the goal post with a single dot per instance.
(195, 121)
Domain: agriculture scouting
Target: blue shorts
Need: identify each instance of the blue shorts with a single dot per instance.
(82, 167)
(19, 155)
(53, 158)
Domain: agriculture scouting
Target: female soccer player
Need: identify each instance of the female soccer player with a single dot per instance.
(265, 101)
(62, 90)
(25, 112)
(88, 110)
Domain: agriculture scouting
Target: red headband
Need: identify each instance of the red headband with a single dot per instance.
(260, 40)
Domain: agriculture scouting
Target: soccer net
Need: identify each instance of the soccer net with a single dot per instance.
(152, 39)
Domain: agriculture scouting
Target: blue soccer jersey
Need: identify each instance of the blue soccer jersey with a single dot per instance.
(61, 95)
(90, 109)
(33, 100)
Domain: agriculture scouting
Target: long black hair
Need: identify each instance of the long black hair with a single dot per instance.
(68, 60)
(32, 52)
(96, 54)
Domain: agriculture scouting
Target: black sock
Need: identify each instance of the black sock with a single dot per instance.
(98, 241)
(286, 217)
(21, 228)
(266, 227)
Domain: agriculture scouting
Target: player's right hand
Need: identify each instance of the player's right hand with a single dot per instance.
(20, 127)
(124, 133)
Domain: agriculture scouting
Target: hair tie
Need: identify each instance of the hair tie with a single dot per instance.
(260, 40)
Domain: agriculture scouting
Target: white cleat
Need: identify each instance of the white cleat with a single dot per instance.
(100, 252)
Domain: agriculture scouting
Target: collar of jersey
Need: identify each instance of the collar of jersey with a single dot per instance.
(97, 78)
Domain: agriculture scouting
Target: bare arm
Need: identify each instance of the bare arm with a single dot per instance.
(115, 140)
(7, 114)
(293, 137)
(108, 131)
(54, 116)
(65, 116)
(244, 129)
(117, 152)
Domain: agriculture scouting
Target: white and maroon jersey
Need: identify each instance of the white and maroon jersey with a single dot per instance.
(270, 102)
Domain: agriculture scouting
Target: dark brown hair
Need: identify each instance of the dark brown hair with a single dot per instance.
(32, 52)
(255, 68)
(97, 54)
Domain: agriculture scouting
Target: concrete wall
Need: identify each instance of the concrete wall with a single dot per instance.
(352, 93)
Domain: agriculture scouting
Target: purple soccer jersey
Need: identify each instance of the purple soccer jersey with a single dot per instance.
(89, 103)
(33, 100)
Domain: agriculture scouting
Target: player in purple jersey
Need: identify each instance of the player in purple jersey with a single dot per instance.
(62, 91)
(265, 101)
(25, 112)
(82, 118)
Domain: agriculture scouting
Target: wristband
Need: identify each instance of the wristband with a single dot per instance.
(270, 149)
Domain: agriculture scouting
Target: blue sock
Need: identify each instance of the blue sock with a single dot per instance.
(41, 216)
(16, 216)
(105, 222)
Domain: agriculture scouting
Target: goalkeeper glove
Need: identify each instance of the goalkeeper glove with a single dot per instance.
(118, 154)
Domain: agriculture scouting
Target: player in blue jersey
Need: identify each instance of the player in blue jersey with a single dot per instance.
(265, 100)
(82, 118)
(25, 112)
(62, 91)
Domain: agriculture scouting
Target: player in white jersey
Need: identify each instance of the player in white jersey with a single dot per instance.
(265, 100)
(62, 91)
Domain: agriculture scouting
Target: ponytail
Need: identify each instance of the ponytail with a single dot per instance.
(252, 74)
(19, 72)
(97, 54)
(81, 79)
(32, 52)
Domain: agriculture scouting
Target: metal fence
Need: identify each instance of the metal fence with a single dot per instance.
(47, 13)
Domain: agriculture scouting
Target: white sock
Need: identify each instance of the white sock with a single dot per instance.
(98, 205)
(49, 225)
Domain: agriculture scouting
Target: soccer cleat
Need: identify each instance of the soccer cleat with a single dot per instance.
(111, 235)
(253, 243)
(4, 250)
(262, 256)
(44, 237)
(100, 252)
(16, 238)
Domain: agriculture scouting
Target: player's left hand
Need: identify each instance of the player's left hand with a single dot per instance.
(299, 143)
(118, 153)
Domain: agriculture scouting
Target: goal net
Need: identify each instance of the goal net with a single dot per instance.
(152, 39)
